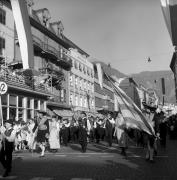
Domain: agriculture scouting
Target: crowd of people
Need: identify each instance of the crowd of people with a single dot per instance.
(54, 131)
(50, 132)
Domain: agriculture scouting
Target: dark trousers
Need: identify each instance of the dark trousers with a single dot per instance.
(109, 137)
(65, 136)
(6, 155)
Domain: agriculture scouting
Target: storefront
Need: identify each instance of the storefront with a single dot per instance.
(20, 105)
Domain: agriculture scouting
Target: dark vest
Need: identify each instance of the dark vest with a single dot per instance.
(8, 132)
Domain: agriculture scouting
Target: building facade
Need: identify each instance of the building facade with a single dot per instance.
(104, 97)
(21, 100)
(46, 85)
(81, 82)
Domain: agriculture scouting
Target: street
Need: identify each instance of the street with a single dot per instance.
(98, 163)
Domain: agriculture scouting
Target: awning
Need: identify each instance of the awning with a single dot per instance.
(63, 113)
(16, 64)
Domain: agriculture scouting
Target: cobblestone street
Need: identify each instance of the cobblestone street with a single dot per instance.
(98, 163)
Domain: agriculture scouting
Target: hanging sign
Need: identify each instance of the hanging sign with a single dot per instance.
(3, 88)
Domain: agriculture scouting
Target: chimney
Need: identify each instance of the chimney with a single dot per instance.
(30, 4)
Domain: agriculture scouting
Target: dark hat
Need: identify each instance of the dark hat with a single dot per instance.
(54, 116)
(42, 112)
(83, 113)
(10, 121)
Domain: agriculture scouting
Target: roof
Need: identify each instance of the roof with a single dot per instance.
(73, 45)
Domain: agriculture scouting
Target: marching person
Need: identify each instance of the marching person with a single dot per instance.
(82, 133)
(54, 140)
(109, 129)
(42, 124)
(150, 140)
(65, 131)
(30, 137)
(121, 134)
(8, 135)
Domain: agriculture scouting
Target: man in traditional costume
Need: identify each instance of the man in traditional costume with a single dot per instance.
(7, 147)
(82, 133)
(109, 129)
(42, 124)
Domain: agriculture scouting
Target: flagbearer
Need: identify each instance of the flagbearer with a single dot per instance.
(7, 146)
(109, 128)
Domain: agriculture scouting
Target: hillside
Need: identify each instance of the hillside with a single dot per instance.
(149, 79)
(108, 69)
(153, 80)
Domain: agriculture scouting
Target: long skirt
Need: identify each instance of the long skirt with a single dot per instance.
(54, 139)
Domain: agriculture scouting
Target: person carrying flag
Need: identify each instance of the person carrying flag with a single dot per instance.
(8, 139)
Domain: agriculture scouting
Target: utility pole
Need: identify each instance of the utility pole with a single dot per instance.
(163, 89)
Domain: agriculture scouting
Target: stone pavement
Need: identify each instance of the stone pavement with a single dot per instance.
(98, 163)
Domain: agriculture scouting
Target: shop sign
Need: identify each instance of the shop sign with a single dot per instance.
(3, 88)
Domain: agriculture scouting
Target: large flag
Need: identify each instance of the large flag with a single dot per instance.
(169, 9)
(132, 115)
(100, 74)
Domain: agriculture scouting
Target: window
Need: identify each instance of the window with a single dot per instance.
(2, 16)
(76, 65)
(76, 82)
(80, 83)
(4, 110)
(2, 45)
(85, 102)
(84, 70)
(92, 102)
(29, 113)
(88, 87)
(76, 100)
(35, 104)
(85, 85)
(12, 100)
(92, 73)
(28, 103)
(81, 101)
(63, 95)
(71, 80)
(88, 72)
(42, 105)
(12, 113)
(4, 99)
(20, 101)
(80, 67)
(71, 99)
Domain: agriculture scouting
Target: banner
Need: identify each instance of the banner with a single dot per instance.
(23, 27)
(169, 10)
(133, 117)
(100, 74)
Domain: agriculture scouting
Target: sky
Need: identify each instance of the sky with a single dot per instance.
(123, 33)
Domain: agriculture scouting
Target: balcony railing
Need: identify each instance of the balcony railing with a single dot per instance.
(48, 48)
(11, 78)
(37, 41)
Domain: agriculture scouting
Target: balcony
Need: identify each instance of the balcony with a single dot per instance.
(38, 44)
(50, 52)
(20, 82)
(47, 51)
(65, 61)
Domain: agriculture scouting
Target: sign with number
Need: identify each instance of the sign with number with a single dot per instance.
(3, 87)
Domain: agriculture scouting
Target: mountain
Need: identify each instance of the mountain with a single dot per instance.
(108, 69)
(149, 79)
(152, 79)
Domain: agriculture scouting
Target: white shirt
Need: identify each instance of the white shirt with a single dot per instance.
(11, 138)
